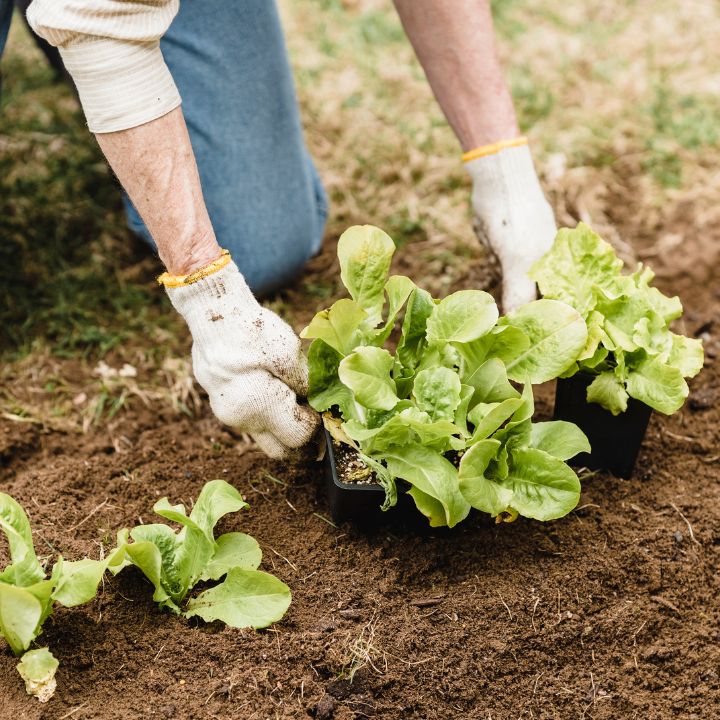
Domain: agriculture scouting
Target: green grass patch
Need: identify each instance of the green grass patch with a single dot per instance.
(62, 225)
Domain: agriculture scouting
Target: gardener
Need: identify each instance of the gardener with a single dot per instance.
(247, 183)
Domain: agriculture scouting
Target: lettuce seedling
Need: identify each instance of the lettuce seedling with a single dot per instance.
(630, 349)
(176, 561)
(27, 596)
(440, 411)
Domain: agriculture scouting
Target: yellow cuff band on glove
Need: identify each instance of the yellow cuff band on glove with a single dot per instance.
(174, 281)
(484, 150)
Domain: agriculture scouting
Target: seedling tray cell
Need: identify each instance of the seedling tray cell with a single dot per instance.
(615, 439)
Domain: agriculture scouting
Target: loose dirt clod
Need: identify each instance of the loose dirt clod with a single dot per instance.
(325, 708)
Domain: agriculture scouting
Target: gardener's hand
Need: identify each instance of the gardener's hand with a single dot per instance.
(512, 217)
(248, 360)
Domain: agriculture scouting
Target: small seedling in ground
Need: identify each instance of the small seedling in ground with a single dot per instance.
(27, 597)
(176, 561)
(173, 561)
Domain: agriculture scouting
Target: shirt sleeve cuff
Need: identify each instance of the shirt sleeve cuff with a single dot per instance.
(121, 84)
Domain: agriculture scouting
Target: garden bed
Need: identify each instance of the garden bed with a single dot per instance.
(611, 612)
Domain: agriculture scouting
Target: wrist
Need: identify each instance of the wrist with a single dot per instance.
(213, 292)
(186, 257)
(219, 280)
(488, 116)
(494, 148)
(502, 174)
(169, 280)
(479, 132)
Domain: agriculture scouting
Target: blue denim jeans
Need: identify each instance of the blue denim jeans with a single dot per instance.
(262, 191)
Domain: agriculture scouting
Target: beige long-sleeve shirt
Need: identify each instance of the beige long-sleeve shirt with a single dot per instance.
(112, 50)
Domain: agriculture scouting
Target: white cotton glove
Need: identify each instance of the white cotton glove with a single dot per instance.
(247, 359)
(512, 217)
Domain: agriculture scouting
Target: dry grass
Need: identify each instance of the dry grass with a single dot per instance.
(620, 100)
(68, 395)
(362, 651)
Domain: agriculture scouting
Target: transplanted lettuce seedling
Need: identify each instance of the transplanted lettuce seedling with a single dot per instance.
(440, 412)
(27, 596)
(175, 561)
(630, 349)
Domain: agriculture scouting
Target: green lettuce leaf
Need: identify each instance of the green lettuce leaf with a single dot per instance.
(607, 390)
(482, 492)
(461, 412)
(669, 308)
(398, 289)
(506, 342)
(503, 343)
(436, 434)
(433, 475)
(325, 387)
(407, 427)
(658, 385)
(522, 416)
(651, 334)
(630, 347)
(246, 598)
(37, 668)
(462, 317)
(621, 317)
(557, 334)
(385, 480)
(489, 382)
(686, 354)
(563, 440)
(77, 582)
(175, 561)
(544, 488)
(412, 338)
(365, 253)
(595, 323)
(20, 616)
(366, 372)
(217, 499)
(340, 326)
(195, 544)
(153, 553)
(233, 550)
(24, 568)
(447, 387)
(488, 417)
(429, 506)
(192, 549)
(578, 262)
(437, 392)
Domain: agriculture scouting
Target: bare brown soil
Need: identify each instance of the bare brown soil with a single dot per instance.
(610, 613)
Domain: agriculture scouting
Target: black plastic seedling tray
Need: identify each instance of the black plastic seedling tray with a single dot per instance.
(349, 500)
(361, 503)
(615, 439)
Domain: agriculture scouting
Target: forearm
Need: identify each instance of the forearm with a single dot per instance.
(455, 44)
(112, 50)
(156, 165)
